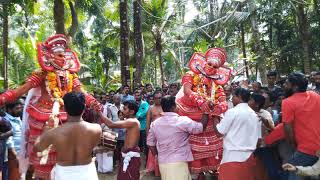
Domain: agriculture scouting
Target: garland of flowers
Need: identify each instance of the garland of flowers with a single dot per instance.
(54, 87)
(201, 88)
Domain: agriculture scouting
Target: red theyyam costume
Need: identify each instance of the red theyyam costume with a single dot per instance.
(45, 89)
(202, 92)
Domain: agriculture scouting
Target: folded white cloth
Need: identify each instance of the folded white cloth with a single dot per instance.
(127, 158)
(105, 162)
(81, 172)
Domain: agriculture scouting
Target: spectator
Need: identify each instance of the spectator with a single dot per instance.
(126, 96)
(241, 130)
(13, 115)
(111, 94)
(270, 99)
(317, 82)
(301, 117)
(120, 140)
(5, 134)
(150, 99)
(141, 87)
(130, 166)
(168, 138)
(173, 89)
(73, 142)
(142, 117)
(264, 154)
(149, 89)
(312, 81)
(228, 92)
(313, 170)
(104, 98)
(256, 87)
(165, 89)
(154, 113)
(272, 78)
(105, 158)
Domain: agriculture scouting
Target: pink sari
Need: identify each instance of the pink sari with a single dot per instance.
(152, 164)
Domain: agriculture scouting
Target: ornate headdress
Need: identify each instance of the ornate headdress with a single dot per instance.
(216, 57)
(54, 45)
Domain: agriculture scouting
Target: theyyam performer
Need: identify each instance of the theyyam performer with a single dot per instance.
(44, 105)
(202, 92)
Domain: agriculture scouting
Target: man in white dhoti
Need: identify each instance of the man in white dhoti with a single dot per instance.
(73, 141)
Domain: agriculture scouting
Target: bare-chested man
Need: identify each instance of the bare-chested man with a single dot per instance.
(154, 113)
(155, 110)
(73, 141)
(130, 164)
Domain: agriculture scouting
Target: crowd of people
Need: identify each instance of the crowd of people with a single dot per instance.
(269, 132)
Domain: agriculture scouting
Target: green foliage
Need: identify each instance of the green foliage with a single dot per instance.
(97, 40)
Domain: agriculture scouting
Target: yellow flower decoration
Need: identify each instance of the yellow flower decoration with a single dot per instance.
(53, 88)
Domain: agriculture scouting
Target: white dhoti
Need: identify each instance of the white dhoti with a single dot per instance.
(105, 162)
(81, 172)
(175, 171)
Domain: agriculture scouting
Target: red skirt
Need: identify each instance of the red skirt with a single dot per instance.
(152, 164)
(133, 170)
(238, 170)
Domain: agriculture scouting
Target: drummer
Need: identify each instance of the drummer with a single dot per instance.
(130, 165)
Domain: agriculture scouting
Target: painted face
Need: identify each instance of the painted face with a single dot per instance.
(59, 58)
(210, 67)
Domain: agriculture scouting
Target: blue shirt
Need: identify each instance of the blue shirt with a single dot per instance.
(16, 124)
(126, 98)
(142, 115)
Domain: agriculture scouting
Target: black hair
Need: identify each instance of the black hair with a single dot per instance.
(258, 99)
(125, 86)
(148, 84)
(13, 104)
(272, 73)
(243, 93)
(112, 91)
(259, 84)
(272, 96)
(156, 92)
(317, 73)
(174, 84)
(168, 102)
(298, 79)
(132, 105)
(74, 103)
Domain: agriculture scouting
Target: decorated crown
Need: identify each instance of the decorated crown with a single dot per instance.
(57, 44)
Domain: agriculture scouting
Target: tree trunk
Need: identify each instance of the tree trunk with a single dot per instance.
(58, 13)
(5, 44)
(244, 51)
(257, 48)
(316, 8)
(75, 22)
(138, 45)
(243, 45)
(124, 43)
(305, 37)
(159, 50)
(155, 66)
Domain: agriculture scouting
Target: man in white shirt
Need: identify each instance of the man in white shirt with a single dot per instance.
(241, 130)
(105, 158)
